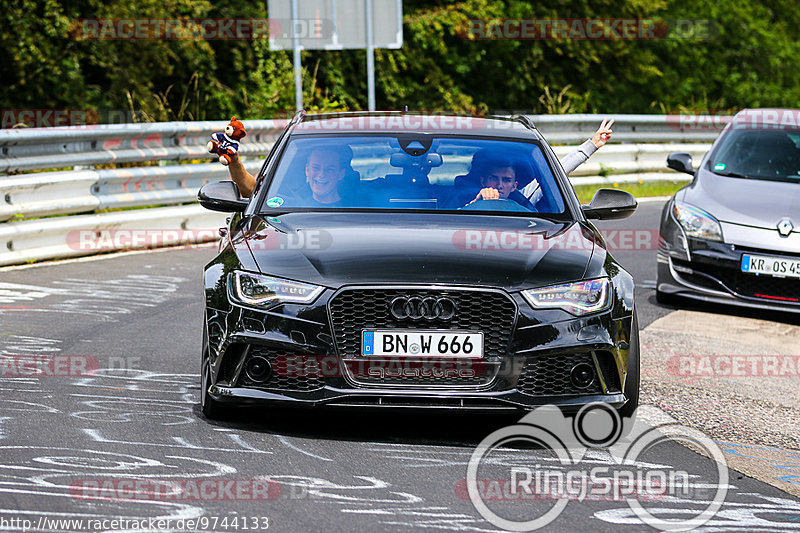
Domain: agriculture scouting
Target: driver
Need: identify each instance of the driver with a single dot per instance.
(499, 182)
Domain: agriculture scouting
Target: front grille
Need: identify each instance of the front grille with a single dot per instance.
(549, 375)
(492, 312)
(702, 272)
(751, 285)
(282, 378)
(734, 279)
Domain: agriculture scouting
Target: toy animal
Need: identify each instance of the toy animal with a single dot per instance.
(227, 144)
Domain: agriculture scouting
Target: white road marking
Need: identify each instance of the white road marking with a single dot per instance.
(288, 444)
(95, 435)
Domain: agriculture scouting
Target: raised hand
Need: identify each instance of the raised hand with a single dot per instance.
(603, 133)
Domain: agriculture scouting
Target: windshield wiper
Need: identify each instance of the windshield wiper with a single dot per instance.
(732, 175)
(756, 177)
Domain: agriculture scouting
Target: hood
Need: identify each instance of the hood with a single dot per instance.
(749, 202)
(335, 249)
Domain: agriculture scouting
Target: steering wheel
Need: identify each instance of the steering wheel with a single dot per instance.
(500, 204)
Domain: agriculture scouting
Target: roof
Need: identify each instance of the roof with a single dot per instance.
(413, 122)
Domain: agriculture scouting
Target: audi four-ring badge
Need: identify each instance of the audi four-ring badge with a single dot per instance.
(395, 260)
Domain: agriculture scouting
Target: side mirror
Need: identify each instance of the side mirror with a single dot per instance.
(222, 196)
(608, 204)
(680, 161)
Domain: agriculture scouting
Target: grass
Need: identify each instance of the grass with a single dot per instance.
(638, 189)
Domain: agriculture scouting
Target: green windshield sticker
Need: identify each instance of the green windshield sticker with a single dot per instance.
(274, 220)
(275, 201)
(719, 166)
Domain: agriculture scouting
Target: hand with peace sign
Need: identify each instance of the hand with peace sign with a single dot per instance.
(603, 133)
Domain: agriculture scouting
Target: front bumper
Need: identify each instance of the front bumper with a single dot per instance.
(532, 366)
(711, 272)
(332, 397)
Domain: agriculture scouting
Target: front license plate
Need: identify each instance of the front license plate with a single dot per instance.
(405, 343)
(772, 266)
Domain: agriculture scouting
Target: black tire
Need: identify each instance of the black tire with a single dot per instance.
(212, 409)
(633, 379)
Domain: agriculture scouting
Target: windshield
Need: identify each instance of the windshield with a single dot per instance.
(409, 171)
(762, 154)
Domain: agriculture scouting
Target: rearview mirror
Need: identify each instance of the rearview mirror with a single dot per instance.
(608, 204)
(680, 161)
(222, 196)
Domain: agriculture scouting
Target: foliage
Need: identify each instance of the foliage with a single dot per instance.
(746, 59)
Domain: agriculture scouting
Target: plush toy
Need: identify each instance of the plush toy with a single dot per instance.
(227, 144)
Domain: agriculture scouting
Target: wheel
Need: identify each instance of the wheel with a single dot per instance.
(632, 380)
(212, 409)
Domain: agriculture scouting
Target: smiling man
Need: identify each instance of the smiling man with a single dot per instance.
(324, 170)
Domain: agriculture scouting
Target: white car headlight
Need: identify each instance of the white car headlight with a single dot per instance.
(579, 298)
(266, 291)
(697, 222)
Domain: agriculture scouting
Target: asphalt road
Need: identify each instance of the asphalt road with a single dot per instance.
(137, 319)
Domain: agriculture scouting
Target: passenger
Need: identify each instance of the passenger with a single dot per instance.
(325, 169)
(533, 192)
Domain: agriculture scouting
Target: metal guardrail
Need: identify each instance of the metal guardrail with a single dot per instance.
(24, 197)
(570, 129)
(40, 148)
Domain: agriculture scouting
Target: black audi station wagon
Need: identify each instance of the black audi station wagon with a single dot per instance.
(407, 260)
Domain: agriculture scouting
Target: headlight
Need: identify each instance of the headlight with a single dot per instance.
(266, 291)
(578, 298)
(697, 222)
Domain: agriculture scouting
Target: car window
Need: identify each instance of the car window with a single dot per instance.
(762, 154)
(414, 172)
